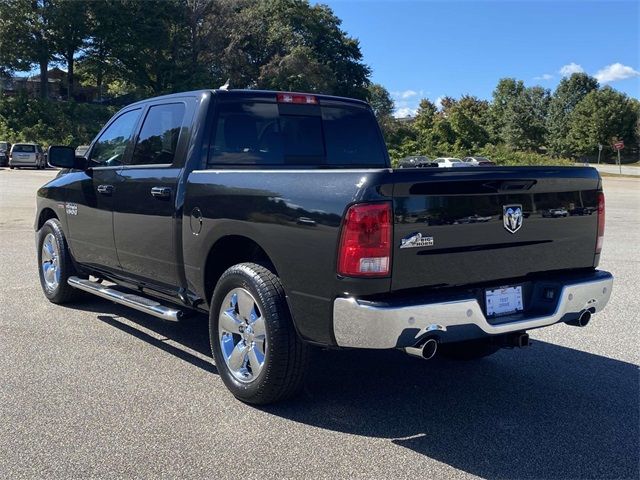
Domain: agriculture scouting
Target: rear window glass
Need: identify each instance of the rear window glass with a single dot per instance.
(250, 133)
(24, 148)
(3, 146)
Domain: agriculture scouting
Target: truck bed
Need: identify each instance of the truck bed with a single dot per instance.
(295, 216)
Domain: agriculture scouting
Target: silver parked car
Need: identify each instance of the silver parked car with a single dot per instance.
(26, 155)
(478, 161)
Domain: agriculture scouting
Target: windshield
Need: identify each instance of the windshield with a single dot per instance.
(24, 148)
(297, 135)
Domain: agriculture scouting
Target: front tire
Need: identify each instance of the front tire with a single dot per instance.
(55, 265)
(256, 349)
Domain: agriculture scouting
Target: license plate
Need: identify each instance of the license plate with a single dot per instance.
(503, 301)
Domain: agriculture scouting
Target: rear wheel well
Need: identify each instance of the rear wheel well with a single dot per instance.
(229, 251)
(46, 214)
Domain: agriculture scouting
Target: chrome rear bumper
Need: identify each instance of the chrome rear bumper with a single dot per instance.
(363, 324)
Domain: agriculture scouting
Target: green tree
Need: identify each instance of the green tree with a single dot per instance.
(423, 125)
(169, 45)
(446, 103)
(469, 122)
(505, 93)
(602, 116)
(99, 65)
(13, 33)
(567, 95)
(26, 37)
(383, 106)
(524, 119)
(70, 27)
(270, 40)
(425, 116)
(150, 57)
(380, 101)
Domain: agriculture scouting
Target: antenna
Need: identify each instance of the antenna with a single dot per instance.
(226, 85)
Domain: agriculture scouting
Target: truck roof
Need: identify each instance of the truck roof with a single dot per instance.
(248, 94)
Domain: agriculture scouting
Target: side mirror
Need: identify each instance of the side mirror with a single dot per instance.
(65, 157)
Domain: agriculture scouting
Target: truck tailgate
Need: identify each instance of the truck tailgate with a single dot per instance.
(473, 225)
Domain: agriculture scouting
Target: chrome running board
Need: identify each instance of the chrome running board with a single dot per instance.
(142, 304)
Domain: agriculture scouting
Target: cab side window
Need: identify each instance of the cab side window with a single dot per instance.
(110, 148)
(159, 135)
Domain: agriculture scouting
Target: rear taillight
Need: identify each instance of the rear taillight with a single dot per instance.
(365, 243)
(601, 209)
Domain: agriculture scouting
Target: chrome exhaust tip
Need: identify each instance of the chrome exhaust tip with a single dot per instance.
(426, 351)
(429, 349)
(583, 320)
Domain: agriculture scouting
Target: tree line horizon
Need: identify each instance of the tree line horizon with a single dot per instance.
(142, 49)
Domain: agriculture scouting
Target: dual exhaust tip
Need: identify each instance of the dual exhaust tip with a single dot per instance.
(582, 321)
(426, 351)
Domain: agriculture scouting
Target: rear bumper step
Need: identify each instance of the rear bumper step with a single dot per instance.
(362, 324)
(137, 302)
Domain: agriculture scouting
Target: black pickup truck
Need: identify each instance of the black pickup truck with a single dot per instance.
(279, 214)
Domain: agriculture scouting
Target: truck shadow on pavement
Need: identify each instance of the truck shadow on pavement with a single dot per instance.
(543, 412)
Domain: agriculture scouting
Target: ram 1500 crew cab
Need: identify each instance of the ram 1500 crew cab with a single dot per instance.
(280, 216)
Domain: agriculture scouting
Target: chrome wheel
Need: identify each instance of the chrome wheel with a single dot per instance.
(242, 335)
(49, 262)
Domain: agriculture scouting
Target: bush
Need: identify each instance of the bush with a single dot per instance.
(500, 154)
(503, 155)
(24, 119)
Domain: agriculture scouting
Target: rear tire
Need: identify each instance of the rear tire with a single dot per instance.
(256, 349)
(55, 265)
(469, 350)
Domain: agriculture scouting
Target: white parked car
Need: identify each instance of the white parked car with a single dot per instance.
(26, 155)
(447, 162)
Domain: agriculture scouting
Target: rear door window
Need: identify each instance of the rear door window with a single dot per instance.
(159, 135)
(260, 133)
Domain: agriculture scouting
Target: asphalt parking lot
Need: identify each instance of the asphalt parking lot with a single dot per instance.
(98, 390)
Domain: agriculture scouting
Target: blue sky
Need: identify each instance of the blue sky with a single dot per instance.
(430, 49)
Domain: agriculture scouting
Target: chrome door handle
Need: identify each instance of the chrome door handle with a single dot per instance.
(161, 192)
(105, 189)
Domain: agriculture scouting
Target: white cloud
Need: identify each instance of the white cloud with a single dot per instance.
(570, 68)
(438, 102)
(615, 71)
(544, 77)
(405, 112)
(405, 94)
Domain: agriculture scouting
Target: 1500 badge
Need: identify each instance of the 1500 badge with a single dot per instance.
(71, 208)
(416, 240)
